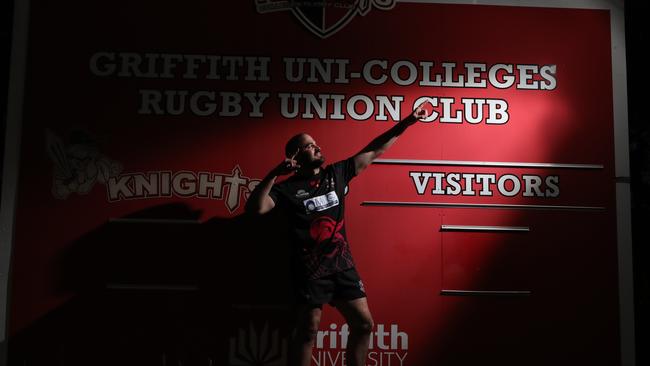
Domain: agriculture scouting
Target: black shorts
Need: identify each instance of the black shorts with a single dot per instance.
(344, 286)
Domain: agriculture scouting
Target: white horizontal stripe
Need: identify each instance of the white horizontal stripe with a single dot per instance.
(152, 221)
(483, 293)
(145, 287)
(482, 228)
(481, 205)
(570, 4)
(487, 163)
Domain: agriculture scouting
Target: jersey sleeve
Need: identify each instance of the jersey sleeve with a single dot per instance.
(345, 169)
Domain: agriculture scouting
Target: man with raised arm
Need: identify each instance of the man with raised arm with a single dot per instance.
(313, 199)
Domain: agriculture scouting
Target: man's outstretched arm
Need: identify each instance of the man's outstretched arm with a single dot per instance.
(382, 142)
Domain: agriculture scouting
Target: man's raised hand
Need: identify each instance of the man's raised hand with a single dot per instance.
(421, 111)
(288, 165)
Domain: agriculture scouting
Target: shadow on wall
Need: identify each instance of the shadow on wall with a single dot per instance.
(159, 288)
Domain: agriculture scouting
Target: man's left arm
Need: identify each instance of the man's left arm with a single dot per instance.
(381, 143)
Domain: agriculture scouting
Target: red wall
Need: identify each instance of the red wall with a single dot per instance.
(565, 263)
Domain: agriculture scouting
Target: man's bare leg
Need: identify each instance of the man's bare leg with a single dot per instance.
(304, 335)
(357, 315)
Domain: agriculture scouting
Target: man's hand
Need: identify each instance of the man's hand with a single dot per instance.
(259, 202)
(421, 111)
(289, 165)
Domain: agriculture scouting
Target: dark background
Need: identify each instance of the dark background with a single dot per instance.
(637, 29)
(637, 26)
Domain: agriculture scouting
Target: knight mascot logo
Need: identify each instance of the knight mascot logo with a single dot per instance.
(79, 164)
(324, 17)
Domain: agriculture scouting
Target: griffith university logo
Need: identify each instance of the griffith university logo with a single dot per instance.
(324, 17)
(255, 348)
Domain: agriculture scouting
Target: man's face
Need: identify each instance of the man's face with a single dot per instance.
(309, 154)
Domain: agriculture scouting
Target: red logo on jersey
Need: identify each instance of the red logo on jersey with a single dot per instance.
(327, 235)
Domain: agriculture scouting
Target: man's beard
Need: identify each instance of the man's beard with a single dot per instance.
(316, 163)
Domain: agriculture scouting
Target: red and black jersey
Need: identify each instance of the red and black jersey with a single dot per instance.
(315, 208)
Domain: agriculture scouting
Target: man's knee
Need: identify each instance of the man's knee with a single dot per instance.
(306, 335)
(307, 327)
(363, 326)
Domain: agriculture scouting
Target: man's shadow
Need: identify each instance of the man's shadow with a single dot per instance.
(158, 287)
